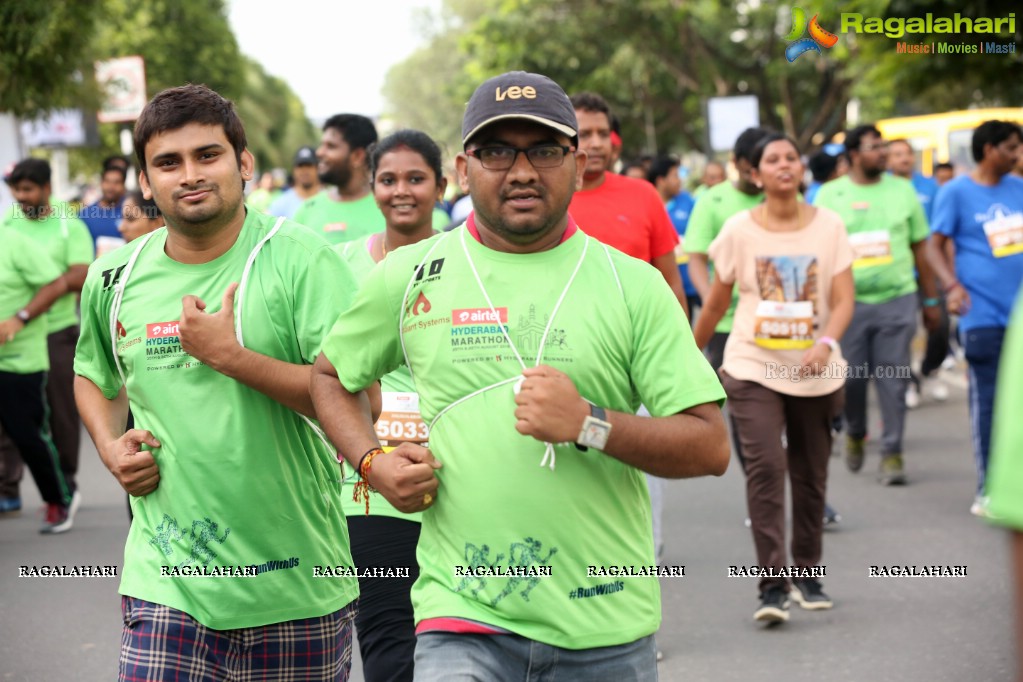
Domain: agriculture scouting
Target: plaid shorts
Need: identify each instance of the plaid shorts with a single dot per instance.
(162, 644)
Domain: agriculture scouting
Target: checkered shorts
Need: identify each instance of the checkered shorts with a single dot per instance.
(162, 644)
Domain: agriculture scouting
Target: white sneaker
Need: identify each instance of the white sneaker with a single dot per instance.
(912, 397)
(937, 389)
(981, 507)
(76, 502)
(949, 363)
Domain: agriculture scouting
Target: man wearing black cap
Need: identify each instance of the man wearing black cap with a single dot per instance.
(305, 183)
(531, 345)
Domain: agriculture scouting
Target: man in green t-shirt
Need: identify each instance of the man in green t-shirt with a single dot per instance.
(30, 282)
(888, 232)
(55, 228)
(227, 474)
(347, 211)
(531, 346)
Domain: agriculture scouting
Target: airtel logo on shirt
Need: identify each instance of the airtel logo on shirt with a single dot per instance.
(156, 330)
(474, 315)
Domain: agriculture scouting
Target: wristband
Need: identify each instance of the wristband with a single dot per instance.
(932, 302)
(952, 286)
(363, 488)
(362, 459)
(24, 315)
(829, 342)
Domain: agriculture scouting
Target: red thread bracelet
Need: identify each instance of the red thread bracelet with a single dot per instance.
(363, 488)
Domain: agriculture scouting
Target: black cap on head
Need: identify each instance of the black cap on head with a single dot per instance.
(306, 156)
(519, 95)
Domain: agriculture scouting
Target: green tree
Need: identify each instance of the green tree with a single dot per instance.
(657, 62)
(274, 117)
(191, 41)
(428, 91)
(46, 56)
(182, 41)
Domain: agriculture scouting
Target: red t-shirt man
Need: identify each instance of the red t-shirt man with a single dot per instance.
(625, 213)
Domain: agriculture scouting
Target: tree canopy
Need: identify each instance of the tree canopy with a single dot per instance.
(49, 50)
(657, 62)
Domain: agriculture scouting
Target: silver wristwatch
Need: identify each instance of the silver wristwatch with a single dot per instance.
(596, 430)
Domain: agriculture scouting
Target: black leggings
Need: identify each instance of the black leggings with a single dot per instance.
(23, 416)
(385, 624)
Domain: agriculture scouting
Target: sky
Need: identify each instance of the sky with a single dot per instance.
(334, 55)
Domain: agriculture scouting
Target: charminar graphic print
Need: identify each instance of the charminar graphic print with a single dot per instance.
(244, 481)
(508, 541)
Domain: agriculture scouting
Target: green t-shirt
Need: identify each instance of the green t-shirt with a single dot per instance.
(400, 419)
(24, 269)
(440, 219)
(67, 241)
(883, 221)
(716, 205)
(341, 221)
(622, 345)
(1005, 472)
(244, 481)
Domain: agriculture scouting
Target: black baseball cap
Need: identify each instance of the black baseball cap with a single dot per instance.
(305, 156)
(519, 95)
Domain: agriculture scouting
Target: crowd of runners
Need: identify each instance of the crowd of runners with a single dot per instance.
(371, 401)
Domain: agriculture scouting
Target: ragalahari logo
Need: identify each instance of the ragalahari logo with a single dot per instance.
(818, 36)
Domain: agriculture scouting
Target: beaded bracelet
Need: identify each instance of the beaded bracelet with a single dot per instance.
(363, 488)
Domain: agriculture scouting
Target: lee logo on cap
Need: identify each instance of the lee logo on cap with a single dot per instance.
(515, 92)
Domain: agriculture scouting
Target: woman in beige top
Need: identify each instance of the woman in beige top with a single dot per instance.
(783, 370)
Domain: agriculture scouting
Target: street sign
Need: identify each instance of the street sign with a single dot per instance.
(124, 81)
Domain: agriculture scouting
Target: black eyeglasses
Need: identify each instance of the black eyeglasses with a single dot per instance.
(503, 157)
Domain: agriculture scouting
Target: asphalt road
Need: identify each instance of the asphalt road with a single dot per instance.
(934, 629)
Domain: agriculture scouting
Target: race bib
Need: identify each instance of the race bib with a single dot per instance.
(1005, 234)
(784, 325)
(871, 248)
(681, 257)
(105, 245)
(400, 420)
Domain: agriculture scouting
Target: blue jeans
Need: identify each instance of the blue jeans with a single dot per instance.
(450, 657)
(983, 348)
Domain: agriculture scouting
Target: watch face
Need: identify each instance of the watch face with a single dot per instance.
(595, 433)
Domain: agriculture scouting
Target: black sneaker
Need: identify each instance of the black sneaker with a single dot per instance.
(774, 606)
(809, 595)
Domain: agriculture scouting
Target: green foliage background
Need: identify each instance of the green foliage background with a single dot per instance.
(657, 61)
(49, 49)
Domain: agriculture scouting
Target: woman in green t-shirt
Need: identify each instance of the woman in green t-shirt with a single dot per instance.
(407, 181)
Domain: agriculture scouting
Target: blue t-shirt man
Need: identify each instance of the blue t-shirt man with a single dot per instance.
(102, 221)
(679, 209)
(926, 189)
(986, 225)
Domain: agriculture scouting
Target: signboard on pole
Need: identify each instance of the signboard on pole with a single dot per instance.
(727, 117)
(124, 81)
(59, 128)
